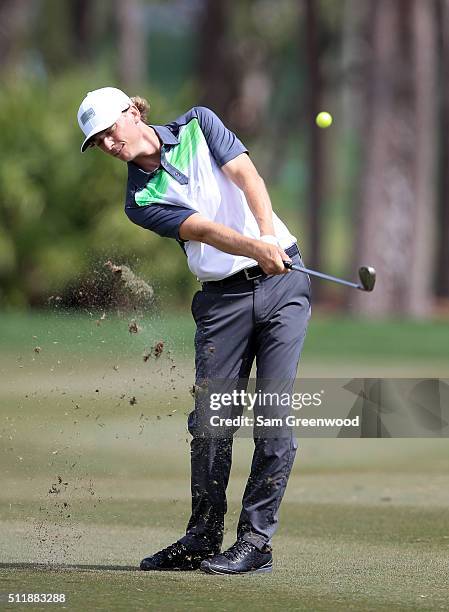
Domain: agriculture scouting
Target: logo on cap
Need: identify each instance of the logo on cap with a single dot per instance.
(87, 115)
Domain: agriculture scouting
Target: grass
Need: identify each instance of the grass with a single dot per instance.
(364, 524)
(329, 338)
(369, 536)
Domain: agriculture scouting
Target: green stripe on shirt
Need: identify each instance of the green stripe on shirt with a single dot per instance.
(179, 156)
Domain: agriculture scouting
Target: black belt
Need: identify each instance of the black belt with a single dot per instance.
(247, 274)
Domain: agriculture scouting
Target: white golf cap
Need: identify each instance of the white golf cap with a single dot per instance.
(99, 110)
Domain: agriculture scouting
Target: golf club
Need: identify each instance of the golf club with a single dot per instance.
(367, 276)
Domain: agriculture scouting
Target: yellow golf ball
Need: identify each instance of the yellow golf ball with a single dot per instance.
(323, 119)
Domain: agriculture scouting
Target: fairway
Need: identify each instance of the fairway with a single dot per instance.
(95, 475)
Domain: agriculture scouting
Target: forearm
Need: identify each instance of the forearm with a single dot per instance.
(270, 257)
(260, 205)
(219, 236)
(244, 174)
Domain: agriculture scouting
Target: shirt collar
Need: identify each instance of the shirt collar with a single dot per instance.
(167, 137)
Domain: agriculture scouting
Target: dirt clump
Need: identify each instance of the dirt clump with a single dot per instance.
(155, 351)
(158, 348)
(136, 286)
(133, 328)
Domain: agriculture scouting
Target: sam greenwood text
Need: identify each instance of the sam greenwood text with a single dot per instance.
(289, 421)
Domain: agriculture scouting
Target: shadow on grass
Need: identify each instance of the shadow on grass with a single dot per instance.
(68, 566)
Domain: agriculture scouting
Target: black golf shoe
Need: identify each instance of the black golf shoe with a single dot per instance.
(177, 556)
(242, 558)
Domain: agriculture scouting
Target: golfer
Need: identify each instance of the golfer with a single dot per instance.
(192, 180)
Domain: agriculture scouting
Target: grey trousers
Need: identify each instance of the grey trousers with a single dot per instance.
(263, 319)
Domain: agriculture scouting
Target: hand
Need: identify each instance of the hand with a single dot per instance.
(271, 259)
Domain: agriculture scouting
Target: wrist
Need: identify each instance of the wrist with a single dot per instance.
(270, 239)
(257, 250)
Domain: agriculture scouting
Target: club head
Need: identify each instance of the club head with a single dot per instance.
(367, 277)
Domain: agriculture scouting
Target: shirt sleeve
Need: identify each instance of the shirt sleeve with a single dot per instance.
(165, 220)
(223, 144)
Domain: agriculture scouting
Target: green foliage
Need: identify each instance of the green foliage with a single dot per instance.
(60, 211)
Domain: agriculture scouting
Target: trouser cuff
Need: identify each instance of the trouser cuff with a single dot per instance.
(259, 541)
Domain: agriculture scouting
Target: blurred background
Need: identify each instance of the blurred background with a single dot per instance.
(372, 189)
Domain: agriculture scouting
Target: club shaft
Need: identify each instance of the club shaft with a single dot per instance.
(334, 279)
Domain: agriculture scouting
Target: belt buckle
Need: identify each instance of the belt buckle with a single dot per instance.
(249, 277)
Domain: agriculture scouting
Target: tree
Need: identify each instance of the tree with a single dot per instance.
(397, 209)
(83, 25)
(315, 150)
(131, 43)
(14, 23)
(218, 75)
(443, 234)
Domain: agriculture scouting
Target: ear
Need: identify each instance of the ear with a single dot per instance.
(135, 113)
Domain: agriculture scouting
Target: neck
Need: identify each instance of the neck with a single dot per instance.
(150, 158)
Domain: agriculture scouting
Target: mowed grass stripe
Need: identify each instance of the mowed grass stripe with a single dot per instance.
(308, 574)
(136, 591)
(416, 528)
(328, 337)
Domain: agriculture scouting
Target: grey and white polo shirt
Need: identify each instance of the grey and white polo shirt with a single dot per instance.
(189, 180)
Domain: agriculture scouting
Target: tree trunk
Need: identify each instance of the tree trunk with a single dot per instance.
(218, 76)
(82, 29)
(423, 252)
(313, 106)
(357, 45)
(14, 24)
(131, 43)
(442, 287)
(398, 196)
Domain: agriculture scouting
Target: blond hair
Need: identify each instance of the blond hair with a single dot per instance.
(143, 106)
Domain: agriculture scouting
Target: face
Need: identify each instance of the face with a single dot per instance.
(123, 139)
